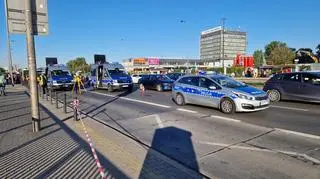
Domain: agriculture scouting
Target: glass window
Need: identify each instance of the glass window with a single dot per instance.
(60, 73)
(94, 72)
(277, 77)
(292, 77)
(311, 79)
(206, 83)
(228, 82)
(194, 81)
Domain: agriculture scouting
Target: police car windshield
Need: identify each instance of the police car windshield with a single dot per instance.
(60, 73)
(228, 82)
(117, 72)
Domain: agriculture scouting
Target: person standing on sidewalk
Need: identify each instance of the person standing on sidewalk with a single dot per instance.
(2, 84)
(43, 82)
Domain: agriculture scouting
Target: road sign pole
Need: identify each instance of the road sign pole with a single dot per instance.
(9, 44)
(32, 68)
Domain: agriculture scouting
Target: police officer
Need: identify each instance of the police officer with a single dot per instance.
(43, 82)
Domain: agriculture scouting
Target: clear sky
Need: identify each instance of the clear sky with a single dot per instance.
(127, 28)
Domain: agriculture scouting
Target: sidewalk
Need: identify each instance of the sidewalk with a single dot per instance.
(60, 149)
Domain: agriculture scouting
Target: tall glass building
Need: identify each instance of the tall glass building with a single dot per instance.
(213, 50)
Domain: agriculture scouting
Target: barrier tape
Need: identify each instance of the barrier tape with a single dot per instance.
(76, 104)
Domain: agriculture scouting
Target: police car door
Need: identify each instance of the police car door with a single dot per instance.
(209, 97)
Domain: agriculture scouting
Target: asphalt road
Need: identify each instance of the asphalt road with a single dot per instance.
(242, 145)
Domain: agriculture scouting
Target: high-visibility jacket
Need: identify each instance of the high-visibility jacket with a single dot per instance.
(43, 80)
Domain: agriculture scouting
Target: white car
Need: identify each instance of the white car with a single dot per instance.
(135, 78)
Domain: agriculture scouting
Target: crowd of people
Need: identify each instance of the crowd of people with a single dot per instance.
(7, 79)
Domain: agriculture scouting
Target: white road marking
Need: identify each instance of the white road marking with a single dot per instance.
(298, 133)
(134, 100)
(186, 110)
(160, 124)
(314, 160)
(226, 118)
(290, 108)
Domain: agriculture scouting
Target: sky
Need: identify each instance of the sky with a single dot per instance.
(121, 29)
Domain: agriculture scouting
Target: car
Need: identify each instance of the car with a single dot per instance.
(175, 76)
(154, 81)
(220, 92)
(135, 78)
(300, 86)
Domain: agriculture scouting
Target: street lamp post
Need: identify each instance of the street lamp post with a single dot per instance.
(222, 55)
(9, 45)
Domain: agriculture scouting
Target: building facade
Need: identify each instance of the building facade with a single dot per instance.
(217, 44)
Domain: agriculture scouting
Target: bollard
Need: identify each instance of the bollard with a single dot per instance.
(65, 103)
(51, 102)
(56, 95)
(42, 93)
(75, 110)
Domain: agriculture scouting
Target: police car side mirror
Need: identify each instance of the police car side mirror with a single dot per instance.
(212, 87)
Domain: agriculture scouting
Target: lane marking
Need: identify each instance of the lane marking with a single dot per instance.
(186, 110)
(314, 160)
(160, 124)
(226, 118)
(221, 117)
(290, 108)
(298, 133)
(134, 100)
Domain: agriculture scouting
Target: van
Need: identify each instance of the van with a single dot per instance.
(110, 76)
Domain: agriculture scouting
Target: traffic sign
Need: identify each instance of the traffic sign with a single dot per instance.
(17, 18)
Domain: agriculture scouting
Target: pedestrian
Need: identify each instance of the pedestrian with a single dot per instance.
(2, 84)
(43, 82)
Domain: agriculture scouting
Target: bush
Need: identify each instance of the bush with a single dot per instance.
(236, 70)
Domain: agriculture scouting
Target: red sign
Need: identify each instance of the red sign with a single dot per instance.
(153, 61)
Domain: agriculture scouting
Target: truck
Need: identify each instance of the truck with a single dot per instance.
(110, 76)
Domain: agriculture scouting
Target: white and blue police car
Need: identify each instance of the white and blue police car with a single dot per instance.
(219, 91)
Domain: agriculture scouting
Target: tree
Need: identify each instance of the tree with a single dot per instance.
(281, 55)
(78, 64)
(258, 58)
(271, 46)
(2, 70)
(318, 50)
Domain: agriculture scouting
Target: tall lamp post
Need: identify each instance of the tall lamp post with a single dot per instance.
(222, 54)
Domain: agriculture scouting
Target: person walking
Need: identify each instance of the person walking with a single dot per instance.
(2, 84)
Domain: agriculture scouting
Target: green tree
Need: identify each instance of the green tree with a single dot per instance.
(281, 55)
(271, 46)
(2, 70)
(258, 56)
(78, 64)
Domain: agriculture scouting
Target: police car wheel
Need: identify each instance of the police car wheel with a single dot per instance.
(274, 95)
(110, 88)
(227, 106)
(180, 100)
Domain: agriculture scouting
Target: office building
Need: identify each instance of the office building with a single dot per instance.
(217, 43)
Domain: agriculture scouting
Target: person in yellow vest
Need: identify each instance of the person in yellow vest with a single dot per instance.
(77, 82)
(43, 82)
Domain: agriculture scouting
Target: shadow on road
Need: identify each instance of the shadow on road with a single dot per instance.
(176, 144)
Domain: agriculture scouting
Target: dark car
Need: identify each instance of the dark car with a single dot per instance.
(301, 86)
(158, 82)
(175, 76)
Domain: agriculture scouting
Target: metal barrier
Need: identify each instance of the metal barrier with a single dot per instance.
(65, 103)
(57, 99)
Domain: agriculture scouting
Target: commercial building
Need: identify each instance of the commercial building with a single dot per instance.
(217, 44)
(160, 64)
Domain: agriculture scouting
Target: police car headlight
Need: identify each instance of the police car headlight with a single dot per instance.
(115, 81)
(72, 81)
(243, 96)
(54, 82)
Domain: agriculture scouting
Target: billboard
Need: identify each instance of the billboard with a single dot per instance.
(153, 61)
(139, 61)
(51, 61)
(99, 59)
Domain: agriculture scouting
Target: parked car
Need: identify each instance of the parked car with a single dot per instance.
(154, 81)
(301, 86)
(135, 78)
(175, 76)
(219, 91)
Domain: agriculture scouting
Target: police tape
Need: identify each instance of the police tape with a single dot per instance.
(76, 104)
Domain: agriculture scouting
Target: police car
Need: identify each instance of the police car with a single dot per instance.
(219, 91)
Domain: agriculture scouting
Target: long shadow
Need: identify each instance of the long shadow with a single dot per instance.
(49, 168)
(12, 117)
(14, 109)
(174, 143)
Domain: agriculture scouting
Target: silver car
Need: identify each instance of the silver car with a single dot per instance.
(219, 91)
